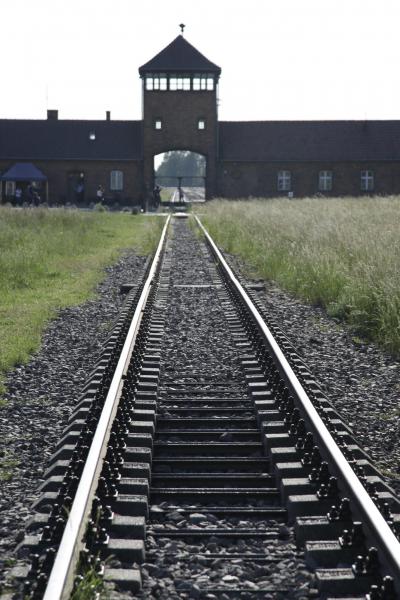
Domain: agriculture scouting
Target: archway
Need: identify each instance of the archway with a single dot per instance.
(181, 175)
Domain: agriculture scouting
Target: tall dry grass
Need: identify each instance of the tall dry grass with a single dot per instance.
(341, 253)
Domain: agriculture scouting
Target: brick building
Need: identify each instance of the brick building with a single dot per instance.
(180, 88)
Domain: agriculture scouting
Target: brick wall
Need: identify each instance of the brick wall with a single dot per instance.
(234, 179)
(179, 112)
(95, 173)
(243, 179)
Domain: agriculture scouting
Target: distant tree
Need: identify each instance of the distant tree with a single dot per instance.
(182, 163)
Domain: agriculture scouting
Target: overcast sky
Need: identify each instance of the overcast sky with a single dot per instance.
(280, 59)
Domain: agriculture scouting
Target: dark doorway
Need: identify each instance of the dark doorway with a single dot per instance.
(76, 188)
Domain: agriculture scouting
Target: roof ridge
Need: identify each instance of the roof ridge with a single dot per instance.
(179, 55)
(311, 121)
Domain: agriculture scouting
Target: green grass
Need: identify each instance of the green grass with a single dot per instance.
(7, 466)
(50, 259)
(341, 253)
(90, 587)
(166, 194)
(389, 416)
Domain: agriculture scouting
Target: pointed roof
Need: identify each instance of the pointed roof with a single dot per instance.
(179, 56)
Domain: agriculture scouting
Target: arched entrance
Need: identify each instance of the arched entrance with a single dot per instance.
(181, 175)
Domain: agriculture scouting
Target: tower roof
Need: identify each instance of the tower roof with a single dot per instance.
(179, 56)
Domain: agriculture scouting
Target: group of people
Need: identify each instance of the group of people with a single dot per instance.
(80, 193)
(30, 194)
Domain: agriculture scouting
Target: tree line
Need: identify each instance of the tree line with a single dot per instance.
(181, 163)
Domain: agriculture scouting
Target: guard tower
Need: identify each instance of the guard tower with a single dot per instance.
(180, 107)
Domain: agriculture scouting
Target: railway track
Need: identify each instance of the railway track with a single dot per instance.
(203, 460)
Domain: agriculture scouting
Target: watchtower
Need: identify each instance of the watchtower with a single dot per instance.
(180, 107)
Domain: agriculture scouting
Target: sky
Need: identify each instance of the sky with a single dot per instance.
(280, 59)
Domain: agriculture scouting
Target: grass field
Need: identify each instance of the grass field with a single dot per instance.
(50, 259)
(341, 253)
(166, 194)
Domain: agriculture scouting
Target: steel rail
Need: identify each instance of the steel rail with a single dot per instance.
(370, 513)
(60, 582)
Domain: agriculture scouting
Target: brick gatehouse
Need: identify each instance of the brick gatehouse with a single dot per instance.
(180, 91)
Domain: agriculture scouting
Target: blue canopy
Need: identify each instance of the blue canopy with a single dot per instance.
(23, 172)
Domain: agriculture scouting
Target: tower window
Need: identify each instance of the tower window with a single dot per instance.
(284, 181)
(178, 81)
(201, 124)
(158, 124)
(367, 181)
(156, 82)
(325, 181)
(203, 82)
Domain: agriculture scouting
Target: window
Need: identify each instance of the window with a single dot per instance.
(325, 181)
(367, 181)
(284, 181)
(156, 82)
(92, 136)
(203, 82)
(116, 181)
(158, 124)
(179, 83)
(201, 124)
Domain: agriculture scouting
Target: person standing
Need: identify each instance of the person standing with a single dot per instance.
(80, 192)
(30, 193)
(100, 194)
(18, 195)
(156, 196)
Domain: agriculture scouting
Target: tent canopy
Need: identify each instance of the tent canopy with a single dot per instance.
(23, 172)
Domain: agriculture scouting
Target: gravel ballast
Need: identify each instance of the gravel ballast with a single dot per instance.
(41, 395)
(192, 550)
(360, 379)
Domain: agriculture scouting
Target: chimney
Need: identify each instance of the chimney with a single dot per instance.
(108, 115)
(52, 115)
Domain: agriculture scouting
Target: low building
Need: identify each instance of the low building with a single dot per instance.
(180, 90)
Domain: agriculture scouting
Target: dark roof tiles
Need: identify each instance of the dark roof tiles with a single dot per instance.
(309, 140)
(238, 141)
(63, 139)
(179, 56)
